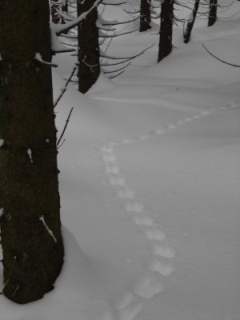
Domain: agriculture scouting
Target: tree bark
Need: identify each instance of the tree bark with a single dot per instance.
(145, 15)
(88, 51)
(56, 8)
(190, 22)
(212, 18)
(65, 6)
(29, 198)
(166, 29)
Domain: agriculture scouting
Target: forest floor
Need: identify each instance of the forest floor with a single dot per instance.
(149, 183)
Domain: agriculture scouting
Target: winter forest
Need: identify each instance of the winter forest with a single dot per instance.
(119, 160)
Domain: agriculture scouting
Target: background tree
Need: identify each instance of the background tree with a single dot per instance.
(29, 198)
(88, 46)
(190, 22)
(65, 6)
(56, 9)
(212, 18)
(145, 15)
(166, 29)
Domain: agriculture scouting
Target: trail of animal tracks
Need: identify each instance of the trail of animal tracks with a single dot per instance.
(151, 182)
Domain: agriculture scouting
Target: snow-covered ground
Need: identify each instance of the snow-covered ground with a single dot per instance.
(150, 182)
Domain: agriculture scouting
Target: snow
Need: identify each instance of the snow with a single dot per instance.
(48, 229)
(29, 153)
(149, 186)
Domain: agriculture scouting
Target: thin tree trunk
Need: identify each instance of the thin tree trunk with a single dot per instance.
(145, 15)
(29, 198)
(212, 18)
(88, 52)
(190, 22)
(166, 29)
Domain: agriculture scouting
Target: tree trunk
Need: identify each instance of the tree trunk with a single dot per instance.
(166, 29)
(145, 15)
(212, 18)
(56, 8)
(29, 198)
(88, 52)
(65, 6)
(190, 22)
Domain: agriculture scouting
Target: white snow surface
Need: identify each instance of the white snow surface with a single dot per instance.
(149, 183)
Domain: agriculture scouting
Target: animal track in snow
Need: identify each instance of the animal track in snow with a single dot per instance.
(136, 207)
(143, 138)
(109, 158)
(117, 181)
(160, 131)
(162, 268)
(115, 170)
(205, 113)
(155, 234)
(126, 194)
(187, 119)
(164, 251)
(108, 316)
(180, 122)
(107, 149)
(127, 299)
(128, 141)
(197, 116)
(131, 311)
(144, 221)
(129, 307)
(171, 126)
(148, 287)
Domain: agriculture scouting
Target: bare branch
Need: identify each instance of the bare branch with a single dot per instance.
(65, 87)
(220, 59)
(65, 127)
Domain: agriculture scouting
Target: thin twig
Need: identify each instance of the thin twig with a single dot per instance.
(65, 127)
(65, 87)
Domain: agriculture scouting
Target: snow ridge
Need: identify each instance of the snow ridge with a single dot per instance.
(160, 265)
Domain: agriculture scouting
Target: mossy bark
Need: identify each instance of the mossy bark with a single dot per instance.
(145, 15)
(166, 29)
(30, 225)
(88, 47)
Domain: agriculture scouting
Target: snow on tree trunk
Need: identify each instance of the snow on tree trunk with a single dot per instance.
(212, 18)
(29, 198)
(145, 15)
(166, 29)
(88, 52)
(190, 22)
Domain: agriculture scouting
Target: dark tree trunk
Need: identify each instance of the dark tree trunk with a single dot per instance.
(145, 15)
(212, 18)
(166, 29)
(30, 224)
(190, 22)
(88, 52)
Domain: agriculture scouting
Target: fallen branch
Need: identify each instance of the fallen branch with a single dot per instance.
(219, 59)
